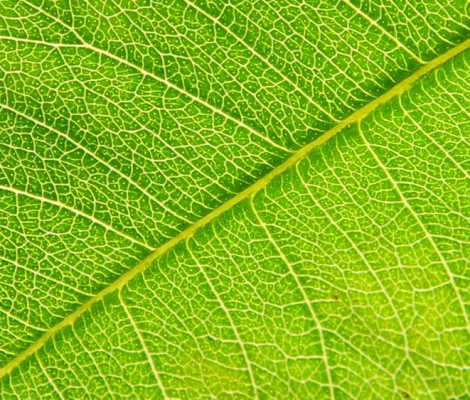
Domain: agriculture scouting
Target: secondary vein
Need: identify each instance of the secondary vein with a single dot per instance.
(355, 117)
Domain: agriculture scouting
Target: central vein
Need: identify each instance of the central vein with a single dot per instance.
(257, 186)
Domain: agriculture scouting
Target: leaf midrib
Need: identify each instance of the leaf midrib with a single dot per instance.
(355, 117)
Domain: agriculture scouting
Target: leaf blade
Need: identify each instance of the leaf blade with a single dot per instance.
(454, 160)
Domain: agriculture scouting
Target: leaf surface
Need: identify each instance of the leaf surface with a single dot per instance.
(135, 132)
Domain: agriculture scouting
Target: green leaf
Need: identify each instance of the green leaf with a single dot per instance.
(234, 199)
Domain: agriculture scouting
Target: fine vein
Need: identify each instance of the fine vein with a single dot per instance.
(257, 186)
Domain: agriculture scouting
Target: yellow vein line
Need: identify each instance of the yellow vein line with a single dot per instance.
(307, 301)
(284, 76)
(383, 30)
(75, 211)
(91, 154)
(260, 184)
(145, 348)
(169, 84)
(416, 216)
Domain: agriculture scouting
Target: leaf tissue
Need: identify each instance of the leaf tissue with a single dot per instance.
(263, 199)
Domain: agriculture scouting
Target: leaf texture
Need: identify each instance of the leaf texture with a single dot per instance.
(123, 125)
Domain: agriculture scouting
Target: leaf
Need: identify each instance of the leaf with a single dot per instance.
(248, 200)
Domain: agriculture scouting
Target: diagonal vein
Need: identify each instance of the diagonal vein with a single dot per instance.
(420, 223)
(257, 186)
(75, 211)
(49, 379)
(165, 81)
(145, 349)
(388, 297)
(93, 155)
(233, 326)
(263, 58)
(305, 297)
(383, 30)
